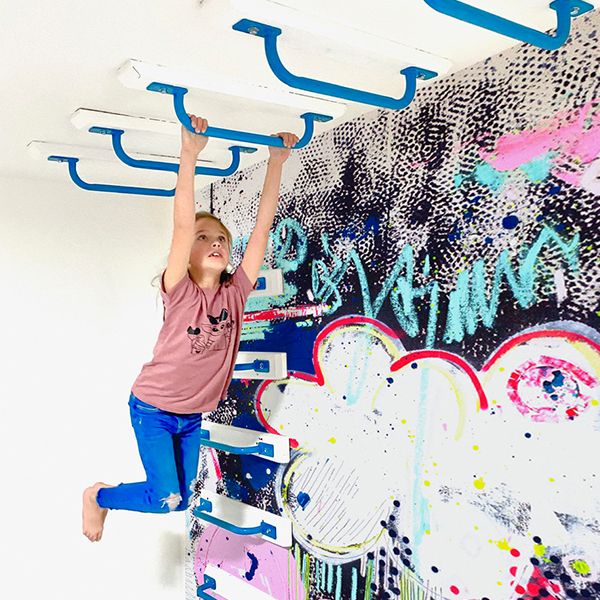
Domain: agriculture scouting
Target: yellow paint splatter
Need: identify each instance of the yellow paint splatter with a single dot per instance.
(332, 440)
(427, 483)
(476, 447)
(503, 544)
(479, 483)
(595, 402)
(539, 549)
(581, 567)
(551, 479)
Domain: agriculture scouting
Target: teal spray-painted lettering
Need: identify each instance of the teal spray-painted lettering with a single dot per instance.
(469, 303)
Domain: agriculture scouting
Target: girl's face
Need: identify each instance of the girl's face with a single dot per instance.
(210, 250)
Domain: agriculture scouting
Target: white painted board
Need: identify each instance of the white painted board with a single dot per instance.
(240, 437)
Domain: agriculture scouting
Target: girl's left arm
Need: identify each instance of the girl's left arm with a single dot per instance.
(257, 244)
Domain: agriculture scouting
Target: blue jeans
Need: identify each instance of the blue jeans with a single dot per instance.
(169, 446)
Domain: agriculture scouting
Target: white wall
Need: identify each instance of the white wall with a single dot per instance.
(78, 319)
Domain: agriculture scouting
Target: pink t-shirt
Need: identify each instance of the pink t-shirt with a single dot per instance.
(197, 346)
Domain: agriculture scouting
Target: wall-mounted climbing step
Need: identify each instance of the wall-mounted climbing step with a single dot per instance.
(237, 440)
(243, 519)
(260, 365)
(269, 283)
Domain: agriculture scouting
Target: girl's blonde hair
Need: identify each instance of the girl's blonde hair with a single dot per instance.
(203, 214)
(226, 277)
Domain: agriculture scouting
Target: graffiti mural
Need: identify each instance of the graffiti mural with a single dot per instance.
(441, 317)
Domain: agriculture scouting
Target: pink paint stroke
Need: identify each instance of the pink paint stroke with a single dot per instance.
(568, 133)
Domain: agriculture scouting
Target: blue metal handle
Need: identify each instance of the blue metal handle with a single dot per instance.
(117, 134)
(565, 9)
(209, 584)
(270, 34)
(101, 187)
(178, 94)
(258, 366)
(261, 448)
(205, 506)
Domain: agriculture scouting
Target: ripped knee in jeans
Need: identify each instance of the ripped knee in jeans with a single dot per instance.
(172, 501)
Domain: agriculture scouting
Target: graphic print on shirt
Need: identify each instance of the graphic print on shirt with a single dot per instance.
(214, 335)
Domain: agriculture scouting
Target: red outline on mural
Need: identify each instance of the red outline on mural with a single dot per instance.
(542, 333)
(451, 358)
(410, 357)
(416, 355)
(318, 378)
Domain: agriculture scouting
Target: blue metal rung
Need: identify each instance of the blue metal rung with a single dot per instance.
(116, 137)
(270, 35)
(205, 507)
(209, 584)
(565, 11)
(261, 448)
(258, 366)
(101, 187)
(179, 93)
(261, 284)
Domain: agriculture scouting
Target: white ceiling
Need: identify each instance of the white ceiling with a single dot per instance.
(57, 57)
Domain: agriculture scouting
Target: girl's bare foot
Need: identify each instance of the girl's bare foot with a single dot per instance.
(93, 515)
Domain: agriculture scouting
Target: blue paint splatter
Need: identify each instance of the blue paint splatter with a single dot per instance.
(371, 225)
(510, 221)
(303, 499)
(253, 566)
(455, 233)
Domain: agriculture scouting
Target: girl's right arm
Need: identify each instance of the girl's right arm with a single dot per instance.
(184, 209)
